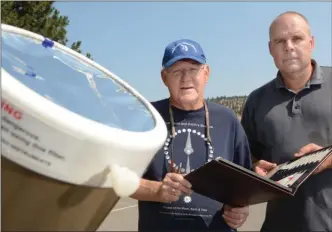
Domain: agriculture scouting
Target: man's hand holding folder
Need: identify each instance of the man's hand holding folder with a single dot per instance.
(263, 167)
(173, 186)
(235, 217)
(311, 148)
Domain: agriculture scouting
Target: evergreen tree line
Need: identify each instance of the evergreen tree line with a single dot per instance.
(236, 103)
(40, 17)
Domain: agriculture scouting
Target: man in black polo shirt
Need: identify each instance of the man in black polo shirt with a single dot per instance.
(286, 114)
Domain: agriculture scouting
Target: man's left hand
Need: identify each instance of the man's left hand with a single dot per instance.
(235, 217)
(312, 148)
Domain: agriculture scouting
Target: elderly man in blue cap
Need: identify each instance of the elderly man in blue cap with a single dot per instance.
(199, 131)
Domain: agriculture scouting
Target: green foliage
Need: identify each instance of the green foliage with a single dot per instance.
(88, 55)
(39, 17)
(236, 103)
(76, 46)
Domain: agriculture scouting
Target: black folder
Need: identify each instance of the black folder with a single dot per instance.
(235, 185)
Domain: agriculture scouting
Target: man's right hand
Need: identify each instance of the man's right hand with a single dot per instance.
(173, 186)
(263, 167)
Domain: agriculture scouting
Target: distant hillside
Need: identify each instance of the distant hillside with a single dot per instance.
(236, 103)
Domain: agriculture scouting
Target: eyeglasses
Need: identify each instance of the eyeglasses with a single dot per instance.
(180, 73)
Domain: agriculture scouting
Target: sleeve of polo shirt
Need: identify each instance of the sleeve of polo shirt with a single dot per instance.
(248, 124)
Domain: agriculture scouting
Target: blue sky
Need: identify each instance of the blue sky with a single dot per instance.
(129, 39)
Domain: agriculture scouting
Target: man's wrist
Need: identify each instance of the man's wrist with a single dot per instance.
(330, 162)
(154, 187)
(148, 191)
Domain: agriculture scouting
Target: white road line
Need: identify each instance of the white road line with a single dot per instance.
(132, 206)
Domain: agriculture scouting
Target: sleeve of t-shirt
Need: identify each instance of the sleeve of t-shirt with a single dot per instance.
(147, 174)
(248, 124)
(150, 169)
(241, 150)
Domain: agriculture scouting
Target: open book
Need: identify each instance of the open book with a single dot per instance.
(234, 185)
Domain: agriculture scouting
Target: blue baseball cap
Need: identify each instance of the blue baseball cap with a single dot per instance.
(183, 49)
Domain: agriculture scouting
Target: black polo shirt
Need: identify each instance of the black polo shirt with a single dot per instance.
(278, 122)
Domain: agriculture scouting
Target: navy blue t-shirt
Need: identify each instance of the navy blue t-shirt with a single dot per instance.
(228, 141)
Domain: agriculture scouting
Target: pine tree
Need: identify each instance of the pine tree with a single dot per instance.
(39, 17)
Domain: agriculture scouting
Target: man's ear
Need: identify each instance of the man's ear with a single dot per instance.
(270, 49)
(312, 43)
(163, 77)
(207, 72)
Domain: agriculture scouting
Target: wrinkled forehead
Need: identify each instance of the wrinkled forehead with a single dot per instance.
(289, 25)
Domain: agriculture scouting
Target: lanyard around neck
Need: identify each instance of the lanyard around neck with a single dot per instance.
(207, 121)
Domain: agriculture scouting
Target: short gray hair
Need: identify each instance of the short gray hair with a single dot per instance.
(289, 13)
